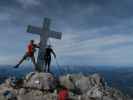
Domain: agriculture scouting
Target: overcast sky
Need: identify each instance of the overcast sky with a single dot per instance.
(95, 32)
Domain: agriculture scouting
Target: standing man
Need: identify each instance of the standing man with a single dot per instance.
(47, 57)
(31, 49)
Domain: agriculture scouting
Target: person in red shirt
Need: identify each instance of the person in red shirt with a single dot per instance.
(31, 49)
(63, 94)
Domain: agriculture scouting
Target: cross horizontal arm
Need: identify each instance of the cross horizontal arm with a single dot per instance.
(34, 30)
(57, 35)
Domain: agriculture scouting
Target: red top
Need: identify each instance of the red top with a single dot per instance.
(63, 94)
(30, 49)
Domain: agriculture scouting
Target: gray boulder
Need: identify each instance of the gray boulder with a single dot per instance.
(83, 83)
(42, 81)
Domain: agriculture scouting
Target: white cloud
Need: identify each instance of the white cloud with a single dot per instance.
(93, 51)
(70, 46)
(29, 3)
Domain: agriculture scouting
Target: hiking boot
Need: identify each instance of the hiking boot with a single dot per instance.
(16, 66)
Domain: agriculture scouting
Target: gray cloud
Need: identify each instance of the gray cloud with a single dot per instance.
(78, 14)
(81, 21)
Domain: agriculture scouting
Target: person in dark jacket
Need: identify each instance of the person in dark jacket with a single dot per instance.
(47, 57)
(31, 49)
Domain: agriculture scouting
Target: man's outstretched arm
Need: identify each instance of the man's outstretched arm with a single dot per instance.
(37, 45)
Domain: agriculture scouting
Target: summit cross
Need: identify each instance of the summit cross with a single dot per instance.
(44, 33)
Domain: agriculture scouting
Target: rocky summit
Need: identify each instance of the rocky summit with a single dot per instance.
(44, 86)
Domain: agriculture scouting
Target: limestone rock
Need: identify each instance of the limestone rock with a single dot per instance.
(42, 81)
(37, 95)
(91, 87)
(83, 83)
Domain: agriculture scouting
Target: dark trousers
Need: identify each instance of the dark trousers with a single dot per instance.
(26, 56)
(47, 63)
